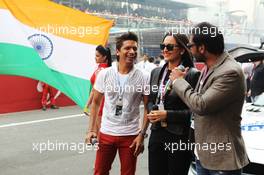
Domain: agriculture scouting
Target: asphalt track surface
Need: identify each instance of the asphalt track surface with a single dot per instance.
(50, 143)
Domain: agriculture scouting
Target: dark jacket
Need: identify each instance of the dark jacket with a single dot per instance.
(217, 106)
(257, 81)
(178, 114)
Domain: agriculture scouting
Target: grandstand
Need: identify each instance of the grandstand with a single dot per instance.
(150, 19)
(162, 9)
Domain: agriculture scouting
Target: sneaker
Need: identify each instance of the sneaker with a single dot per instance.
(54, 107)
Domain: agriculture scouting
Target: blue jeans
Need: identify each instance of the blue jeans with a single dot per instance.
(203, 171)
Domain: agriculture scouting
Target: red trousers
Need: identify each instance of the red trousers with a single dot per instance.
(105, 155)
(48, 90)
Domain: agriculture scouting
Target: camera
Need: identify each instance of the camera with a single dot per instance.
(94, 141)
(155, 107)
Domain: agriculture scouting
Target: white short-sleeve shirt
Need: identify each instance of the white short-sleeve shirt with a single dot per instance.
(136, 84)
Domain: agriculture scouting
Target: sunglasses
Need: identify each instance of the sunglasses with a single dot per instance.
(190, 45)
(169, 47)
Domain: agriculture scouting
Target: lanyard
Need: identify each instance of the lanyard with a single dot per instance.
(121, 88)
(162, 88)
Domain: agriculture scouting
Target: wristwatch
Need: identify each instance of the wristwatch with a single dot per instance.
(143, 133)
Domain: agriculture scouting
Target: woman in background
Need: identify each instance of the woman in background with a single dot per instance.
(104, 60)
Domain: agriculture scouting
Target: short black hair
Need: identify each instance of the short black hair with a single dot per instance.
(126, 36)
(208, 35)
(151, 59)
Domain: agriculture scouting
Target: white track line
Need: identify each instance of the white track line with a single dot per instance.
(38, 121)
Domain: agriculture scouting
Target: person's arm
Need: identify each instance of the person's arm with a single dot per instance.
(139, 140)
(154, 115)
(178, 116)
(151, 95)
(98, 93)
(88, 104)
(90, 99)
(183, 116)
(172, 116)
(146, 95)
(95, 106)
(215, 97)
(145, 122)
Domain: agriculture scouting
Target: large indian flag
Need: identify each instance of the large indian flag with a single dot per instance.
(45, 41)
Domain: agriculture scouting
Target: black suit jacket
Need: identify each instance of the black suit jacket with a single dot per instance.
(178, 114)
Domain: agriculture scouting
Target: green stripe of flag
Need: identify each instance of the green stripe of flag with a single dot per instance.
(24, 61)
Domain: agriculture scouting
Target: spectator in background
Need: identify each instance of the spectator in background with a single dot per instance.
(145, 65)
(49, 95)
(248, 70)
(257, 80)
(151, 59)
(103, 59)
(157, 62)
(162, 61)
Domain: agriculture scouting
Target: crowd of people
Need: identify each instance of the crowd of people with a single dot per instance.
(183, 105)
(150, 13)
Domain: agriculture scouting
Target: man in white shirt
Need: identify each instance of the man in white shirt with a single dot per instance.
(123, 87)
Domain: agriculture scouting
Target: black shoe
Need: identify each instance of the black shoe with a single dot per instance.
(54, 107)
(44, 108)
